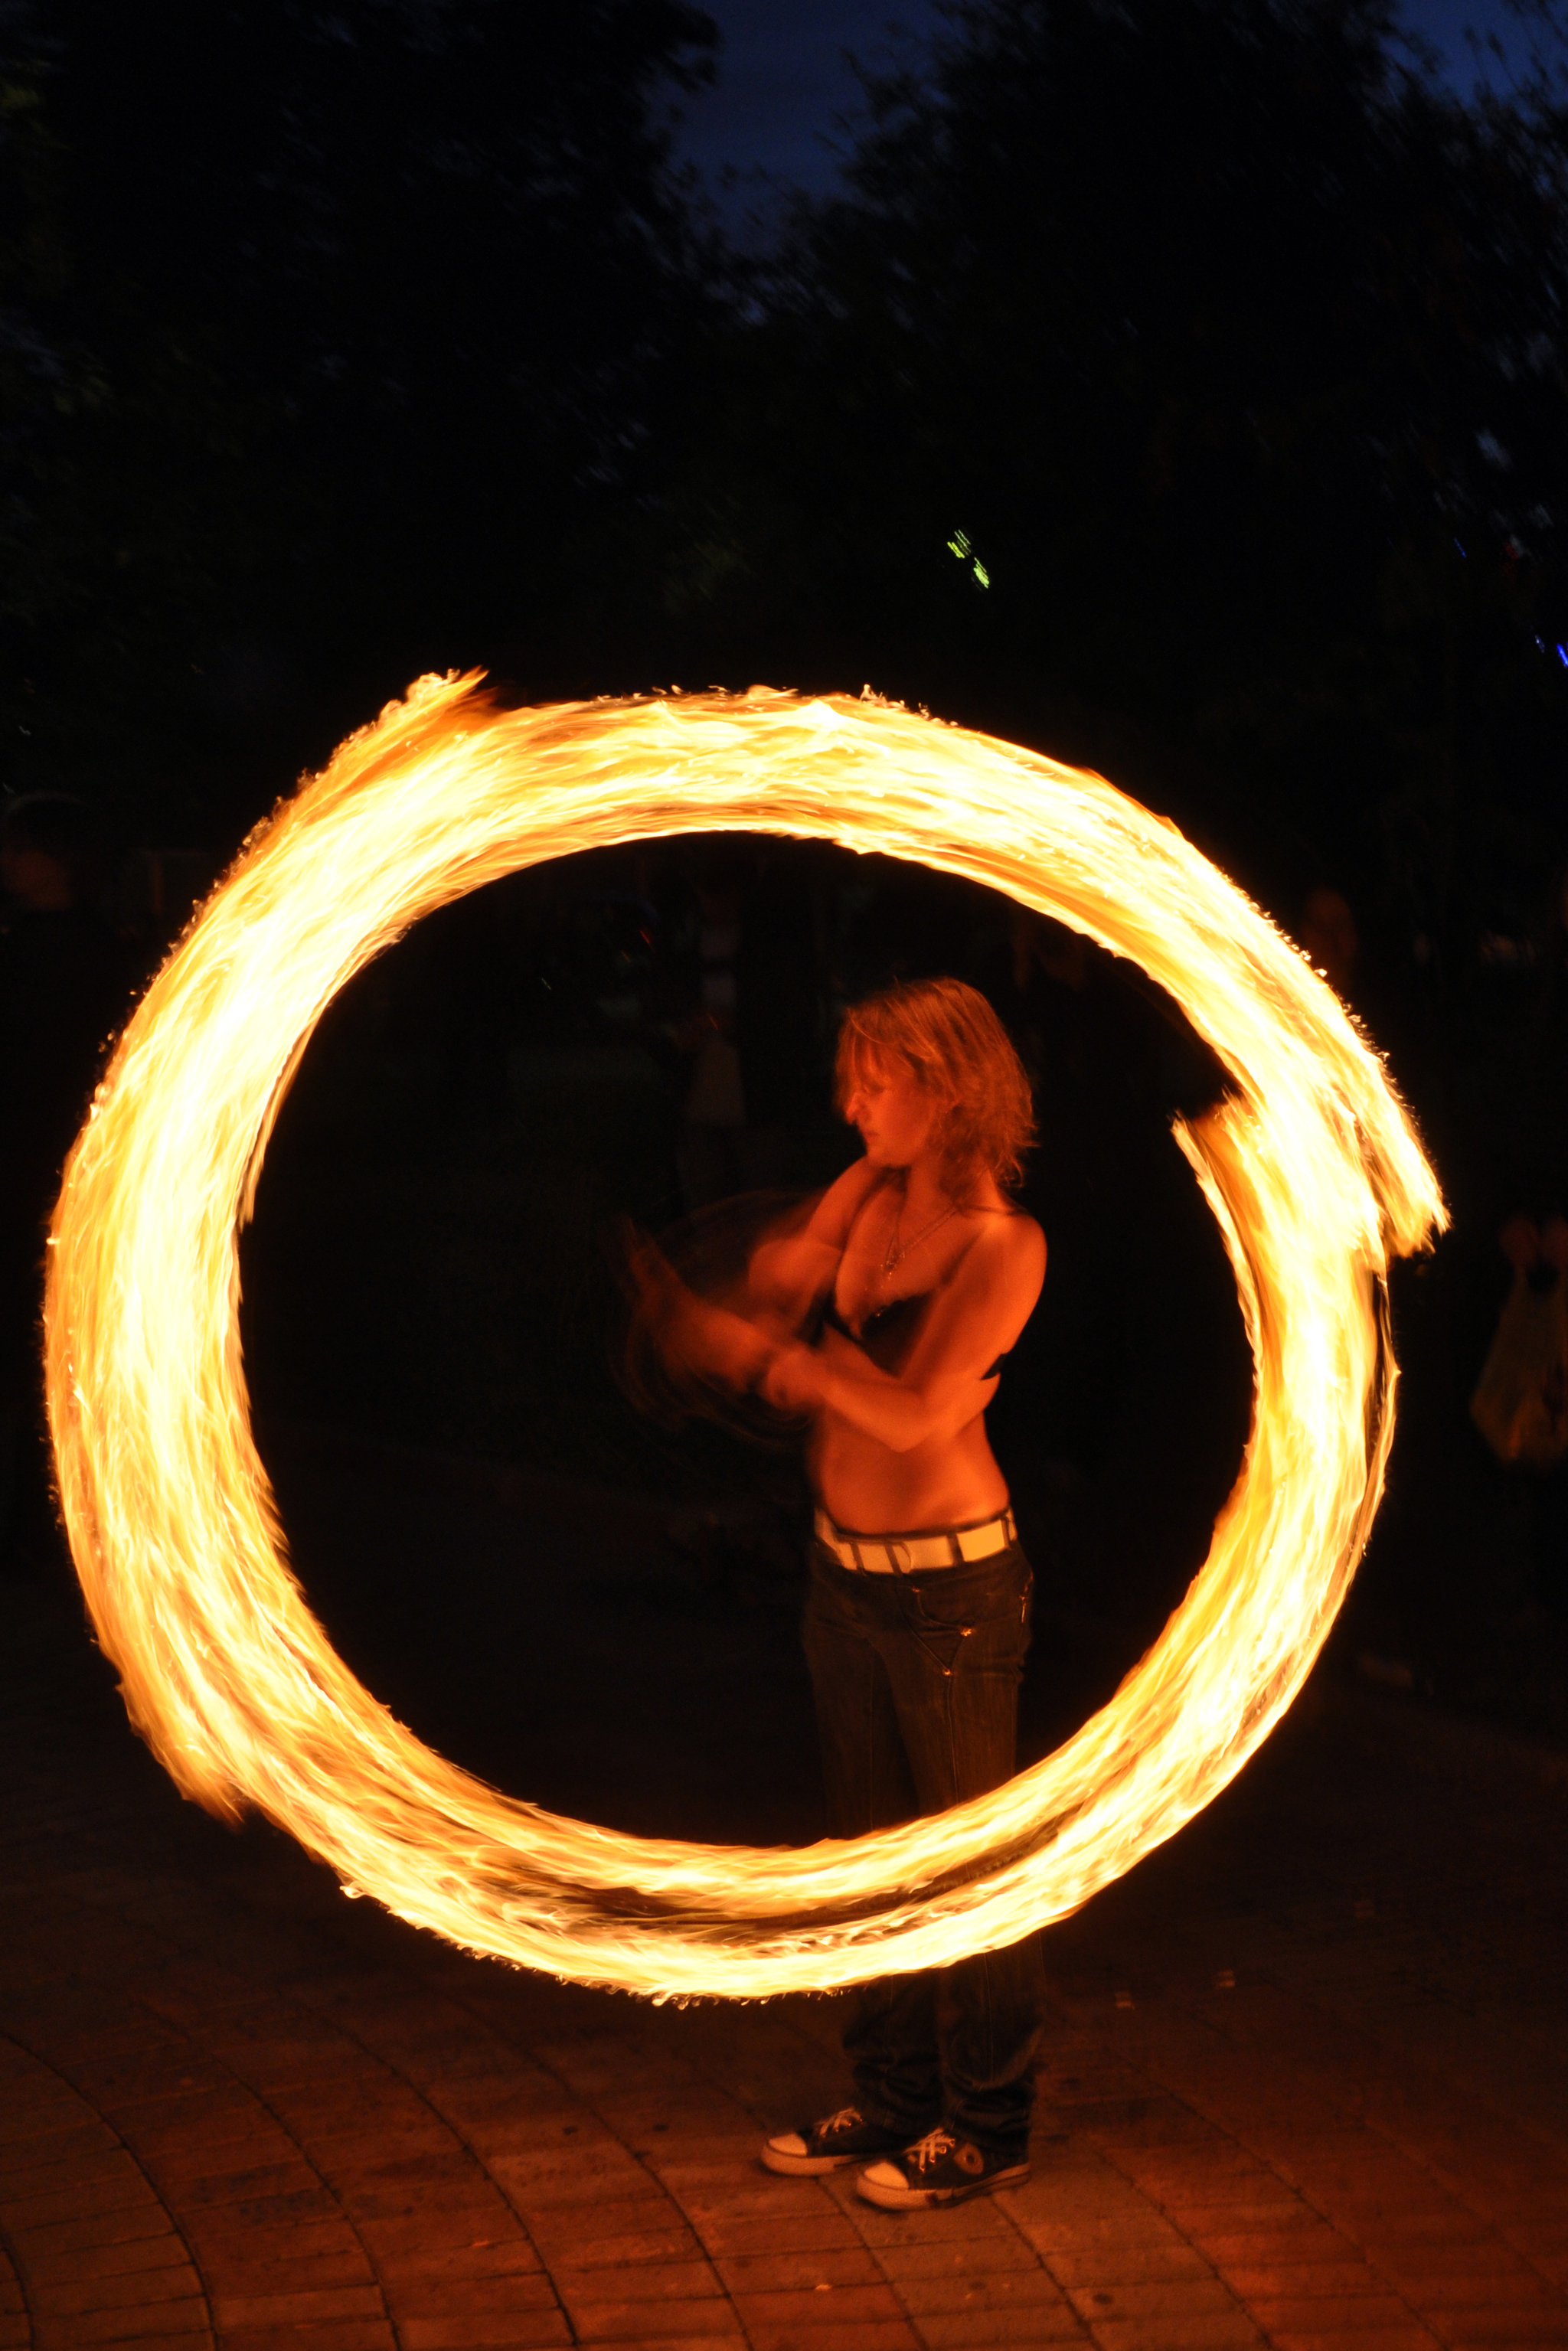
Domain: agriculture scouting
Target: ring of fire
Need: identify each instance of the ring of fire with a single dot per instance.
(1311, 1170)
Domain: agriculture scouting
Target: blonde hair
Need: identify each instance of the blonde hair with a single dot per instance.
(948, 1036)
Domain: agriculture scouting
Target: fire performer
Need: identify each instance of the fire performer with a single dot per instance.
(883, 1320)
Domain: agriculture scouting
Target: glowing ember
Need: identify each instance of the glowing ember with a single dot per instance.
(1314, 1174)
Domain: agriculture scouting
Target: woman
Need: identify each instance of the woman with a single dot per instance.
(915, 1274)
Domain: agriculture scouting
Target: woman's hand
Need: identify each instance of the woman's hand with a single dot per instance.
(793, 1380)
(657, 1288)
(687, 1330)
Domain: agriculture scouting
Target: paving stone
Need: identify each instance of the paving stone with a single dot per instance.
(424, 2297)
(458, 2198)
(1448, 2297)
(1481, 2258)
(829, 2334)
(25, 2150)
(341, 2154)
(315, 2335)
(812, 2229)
(149, 2322)
(141, 2077)
(77, 2047)
(999, 2290)
(1214, 2332)
(284, 2210)
(632, 2249)
(1350, 2314)
(744, 2200)
(415, 2259)
(231, 2275)
(292, 2307)
(437, 2234)
(783, 2310)
(1305, 2281)
(976, 2330)
(1190, 2119)
(533, 2186)
(1408, 2337)
(1310, 2241)
(1206, 2173)
(640, 2320)
(98, 2166)
(1180, 2299)
(1108, 2263)
(122, 2189)
(1000, 2257)
(529, 2328)
(195, 2159)
(286, 2183)
(57, 2297)
(621, 2216)
(1487, 2329)
(1194, 2210)
(781, 2272)
(220, 2234)
(185, 2114)
(135, 2224)
(979, 2221)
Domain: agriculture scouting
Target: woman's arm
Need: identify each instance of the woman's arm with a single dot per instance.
(946, 1381)
(709, 1340)
(897, 1413)
(790, 1269)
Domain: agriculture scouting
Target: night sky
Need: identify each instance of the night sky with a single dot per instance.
(784, 77)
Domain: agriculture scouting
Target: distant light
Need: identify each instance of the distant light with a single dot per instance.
(1461, 550)
(959, 545)
(1563, 655)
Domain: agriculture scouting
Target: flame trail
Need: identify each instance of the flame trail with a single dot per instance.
(1312, 1172)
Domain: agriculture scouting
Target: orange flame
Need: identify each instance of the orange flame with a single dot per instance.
(1312, 1172)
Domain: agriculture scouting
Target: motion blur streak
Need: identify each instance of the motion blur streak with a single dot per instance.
(1311, 1170)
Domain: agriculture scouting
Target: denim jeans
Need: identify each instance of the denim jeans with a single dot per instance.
(916, 1680)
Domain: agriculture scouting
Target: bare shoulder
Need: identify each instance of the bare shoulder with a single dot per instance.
(1013, 1243)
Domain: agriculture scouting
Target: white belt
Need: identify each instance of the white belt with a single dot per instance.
(903, 1554)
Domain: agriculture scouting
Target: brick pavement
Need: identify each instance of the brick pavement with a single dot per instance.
(1305, 2083)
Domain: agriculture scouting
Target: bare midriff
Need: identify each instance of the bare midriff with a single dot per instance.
(865, 1486)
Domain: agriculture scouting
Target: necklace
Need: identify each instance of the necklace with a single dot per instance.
(897, 1253)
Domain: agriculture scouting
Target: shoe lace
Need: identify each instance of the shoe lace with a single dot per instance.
(847, 2118)
(930, 2148)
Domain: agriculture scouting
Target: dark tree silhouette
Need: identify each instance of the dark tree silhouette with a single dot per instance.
(330, 327)
(1193, 361)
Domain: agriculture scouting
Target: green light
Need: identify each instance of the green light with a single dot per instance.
(959, 545)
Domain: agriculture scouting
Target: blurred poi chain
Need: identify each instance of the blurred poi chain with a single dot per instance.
(1311, 1170)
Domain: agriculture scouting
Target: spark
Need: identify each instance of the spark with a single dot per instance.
(1311, 1170)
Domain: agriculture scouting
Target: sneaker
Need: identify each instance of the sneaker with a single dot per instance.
(844, 2137)
(940, 2168)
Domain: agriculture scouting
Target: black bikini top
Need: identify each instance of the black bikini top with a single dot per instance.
(887, 1335)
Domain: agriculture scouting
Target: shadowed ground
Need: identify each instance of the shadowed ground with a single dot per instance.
(1304, 2081)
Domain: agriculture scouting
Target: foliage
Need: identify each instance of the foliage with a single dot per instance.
(1175, 383)
(1192, 364)
(370, 301)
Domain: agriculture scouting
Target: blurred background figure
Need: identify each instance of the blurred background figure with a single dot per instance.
(1331, 938)
(743, 973)
(65, 983)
